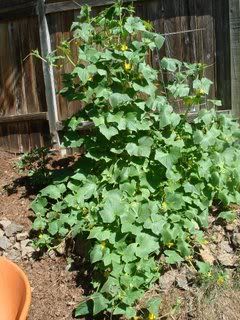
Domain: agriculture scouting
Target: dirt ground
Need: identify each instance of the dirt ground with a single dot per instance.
(55, 290)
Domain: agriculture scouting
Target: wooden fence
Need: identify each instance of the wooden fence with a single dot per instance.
(207, 31)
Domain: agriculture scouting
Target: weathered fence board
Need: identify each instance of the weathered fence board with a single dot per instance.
(234, 13)
(195, 30)
(21, 82)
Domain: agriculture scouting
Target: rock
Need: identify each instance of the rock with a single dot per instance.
(4, 243)
(24, 243)
(217, 237)
(206, 255)
(17, 246)
(168, 279)
(1, 233)
(13, 229)
(4, 224)
(14, 254)
(27, 251)
(227, 259)
(236, 240)
(182, 282)
(52, 254)
(61, 248)
(231, 227)
(12, 239)
(224, 246)
(22, 236)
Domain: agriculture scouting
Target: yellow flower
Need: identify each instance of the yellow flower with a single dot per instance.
(124, 47)
(103, 245)
(151, 316)
(85, 210)
(90, 78)
(127, 66)
(164, 206)
(40, 236)
(220, 280)
(170, 244)
(200, 92)
(189, 258)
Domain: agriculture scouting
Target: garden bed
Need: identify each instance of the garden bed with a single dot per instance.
(56, 291)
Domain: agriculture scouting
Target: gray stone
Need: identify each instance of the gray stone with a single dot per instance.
(236, 239)
(16, 246)
(13, 229)
(4, 224)
(1, 233)
(167, 279)
(4, 243)
(224, 246)
(14, 255)
(22, 236)
(27, 251)
(182, 281)
(24, 243)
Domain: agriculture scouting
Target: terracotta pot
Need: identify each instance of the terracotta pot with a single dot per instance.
(15, 291)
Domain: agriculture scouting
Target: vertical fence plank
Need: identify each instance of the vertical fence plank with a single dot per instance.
(48, 73)
(234, 15)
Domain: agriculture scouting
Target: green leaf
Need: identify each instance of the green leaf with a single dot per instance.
(52, 192)
(39, 205)
(203, 267)
(159, 40)
(203, 84)
(99, 303)
(96, 253)
(143, 149)
(229, 216)
(134, 24)
(112, 207)
(117, 99)
(146, 245)
(172, 257)
(153, 305)
(82, 73)
(53, 227)
(84, 308)
(170, 64)
(168, 159)
(108, 132)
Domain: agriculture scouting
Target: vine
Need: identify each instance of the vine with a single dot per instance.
(148, 178)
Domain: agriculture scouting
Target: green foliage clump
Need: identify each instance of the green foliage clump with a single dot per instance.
(34, 163)
(144, 188)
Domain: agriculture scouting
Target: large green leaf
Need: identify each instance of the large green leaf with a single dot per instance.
(142, 149)
(117, 99)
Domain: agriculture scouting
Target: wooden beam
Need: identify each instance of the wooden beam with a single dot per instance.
(24, 117)
(75, 5)
(234, 16)
(48, 74)
(15, 9)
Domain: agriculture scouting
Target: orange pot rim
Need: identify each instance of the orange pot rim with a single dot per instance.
(28, 298)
